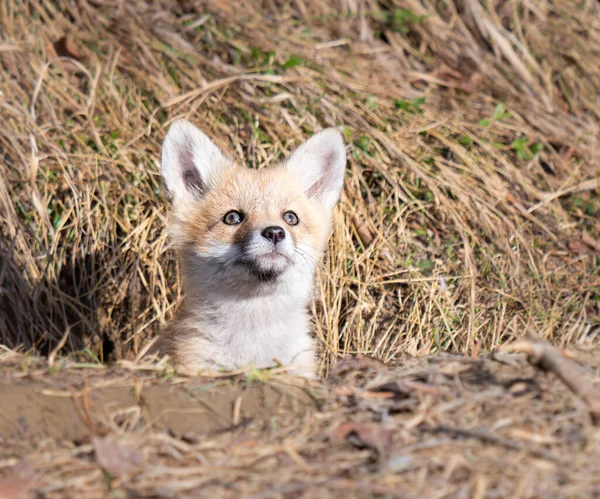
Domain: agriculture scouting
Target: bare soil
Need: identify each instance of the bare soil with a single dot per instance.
(63, 406)
(443, 426)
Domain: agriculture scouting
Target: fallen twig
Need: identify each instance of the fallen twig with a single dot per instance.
(84, 413)
(545, 356)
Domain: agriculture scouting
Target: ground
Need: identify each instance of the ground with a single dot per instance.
(470, 215)
(442, 426)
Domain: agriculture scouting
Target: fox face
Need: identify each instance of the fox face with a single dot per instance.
(244, 232)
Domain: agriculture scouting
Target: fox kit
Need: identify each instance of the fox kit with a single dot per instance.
(248, 242)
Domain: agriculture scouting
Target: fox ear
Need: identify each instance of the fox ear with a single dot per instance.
(320, 164)
(190, 161)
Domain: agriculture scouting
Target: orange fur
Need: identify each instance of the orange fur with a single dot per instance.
(263, 196)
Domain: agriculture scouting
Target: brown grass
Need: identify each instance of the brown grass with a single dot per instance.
(453, 233)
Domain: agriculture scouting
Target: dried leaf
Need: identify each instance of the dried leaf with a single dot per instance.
(472, 86)
(456, 79)
(65, 47)
(365, 235)
(363, 435)
(590, 241)
(115, 459)
(343, 391)
(369, 395)
(355, 363)
(579, 247)
(18, 483)
(446, 72)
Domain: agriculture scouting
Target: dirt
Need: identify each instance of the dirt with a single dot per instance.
(70, 406)
(441, 426)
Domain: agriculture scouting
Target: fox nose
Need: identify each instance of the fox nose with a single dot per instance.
(273, 233)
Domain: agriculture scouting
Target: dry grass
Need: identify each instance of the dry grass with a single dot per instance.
(471, 206)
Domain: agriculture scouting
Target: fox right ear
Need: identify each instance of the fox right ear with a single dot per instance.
(320, 164)
(190, 161)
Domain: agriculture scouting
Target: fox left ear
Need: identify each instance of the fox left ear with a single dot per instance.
(191, 162)
(320, 164)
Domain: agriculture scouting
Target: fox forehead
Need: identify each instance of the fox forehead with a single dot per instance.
(263, 191)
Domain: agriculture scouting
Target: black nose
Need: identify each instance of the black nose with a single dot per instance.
(273, 233)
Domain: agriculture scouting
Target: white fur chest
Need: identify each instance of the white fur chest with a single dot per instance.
(259, 331)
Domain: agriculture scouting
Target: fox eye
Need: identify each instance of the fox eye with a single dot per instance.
(233, 217)
(290, 218)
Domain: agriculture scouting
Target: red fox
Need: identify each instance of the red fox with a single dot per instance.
(248, 242)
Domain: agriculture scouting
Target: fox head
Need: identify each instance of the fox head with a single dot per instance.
(240, 230)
